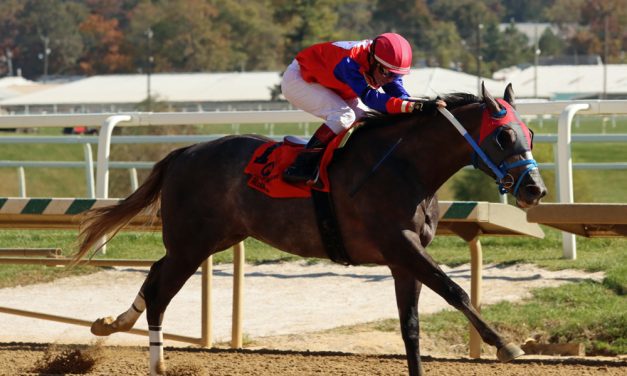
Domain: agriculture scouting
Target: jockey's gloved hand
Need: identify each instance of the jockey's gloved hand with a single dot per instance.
(427, 107)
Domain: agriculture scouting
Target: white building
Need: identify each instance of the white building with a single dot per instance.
(205, 91)
(562, 82)
(193, 92)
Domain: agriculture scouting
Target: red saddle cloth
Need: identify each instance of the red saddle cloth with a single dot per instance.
(272, 158)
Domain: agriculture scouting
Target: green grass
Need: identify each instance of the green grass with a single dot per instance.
(584, 312)
(126, 245)
(603, 254)
(588, 312)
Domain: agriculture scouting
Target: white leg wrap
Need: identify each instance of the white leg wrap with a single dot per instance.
(139, 303)
(128, 318)
(157, 364)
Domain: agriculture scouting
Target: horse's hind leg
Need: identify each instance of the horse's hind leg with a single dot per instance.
(407, 289)
(431, 275)
(166, 277)
(125, 321)
(164, 281)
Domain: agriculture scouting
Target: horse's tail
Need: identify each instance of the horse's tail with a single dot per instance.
(101, 222)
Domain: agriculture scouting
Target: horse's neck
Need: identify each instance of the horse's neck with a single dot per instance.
(441, 150)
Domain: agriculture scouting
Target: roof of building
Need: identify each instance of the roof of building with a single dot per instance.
(552, 82)
(431, 82)
(216, 87)
(172, 87)
(567, 81)
(17, 86)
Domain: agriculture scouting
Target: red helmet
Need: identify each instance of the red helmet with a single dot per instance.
(393, 52)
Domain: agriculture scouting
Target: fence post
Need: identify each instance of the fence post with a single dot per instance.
(89, 170)
(133, 176)
(239, 259)
(476, 267)
(102, 170)
(564, 166)
(21, 177)
(104, 152)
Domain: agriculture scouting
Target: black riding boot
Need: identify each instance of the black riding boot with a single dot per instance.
(305, 165)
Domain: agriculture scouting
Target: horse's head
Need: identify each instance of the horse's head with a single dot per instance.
(507, 142)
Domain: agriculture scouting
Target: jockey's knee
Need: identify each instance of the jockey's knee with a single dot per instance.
(341, 120)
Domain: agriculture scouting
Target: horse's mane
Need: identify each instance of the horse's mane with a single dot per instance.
(453, 100)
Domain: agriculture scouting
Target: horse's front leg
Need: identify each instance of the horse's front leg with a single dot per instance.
(425, 269)
(407, 289)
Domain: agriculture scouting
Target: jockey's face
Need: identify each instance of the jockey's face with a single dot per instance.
(383, 76)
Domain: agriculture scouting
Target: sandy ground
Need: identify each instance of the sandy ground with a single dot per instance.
(285, 302)
(287, 306)
(26, 359)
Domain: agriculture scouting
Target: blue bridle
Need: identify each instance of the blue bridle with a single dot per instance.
(504, 179)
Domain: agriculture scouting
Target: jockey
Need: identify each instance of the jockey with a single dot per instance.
(339, 82)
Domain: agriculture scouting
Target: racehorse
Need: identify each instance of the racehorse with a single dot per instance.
(206, 206)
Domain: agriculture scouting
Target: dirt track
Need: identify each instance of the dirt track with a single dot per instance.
(280, 299)
(271, 289)
(22, 359)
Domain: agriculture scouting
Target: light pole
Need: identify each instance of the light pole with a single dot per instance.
(44, 56)
(536, 57)
(8, 58)
(606, 42)
(479, 58)
(149, 35)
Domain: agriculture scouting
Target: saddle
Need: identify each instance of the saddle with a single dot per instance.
(266, 175)
(272, 158)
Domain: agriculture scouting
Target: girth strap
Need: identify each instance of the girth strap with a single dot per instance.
(329, 227)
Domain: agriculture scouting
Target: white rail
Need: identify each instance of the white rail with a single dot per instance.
(107, 122)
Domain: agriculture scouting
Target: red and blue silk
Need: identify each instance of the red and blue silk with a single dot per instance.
(341, 66)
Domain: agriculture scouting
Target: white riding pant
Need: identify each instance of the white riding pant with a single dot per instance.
(337, 113)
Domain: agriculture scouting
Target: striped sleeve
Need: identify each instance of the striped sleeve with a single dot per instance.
(396, 105)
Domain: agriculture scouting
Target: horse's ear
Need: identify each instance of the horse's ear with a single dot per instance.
(488, 99)
(509, 95)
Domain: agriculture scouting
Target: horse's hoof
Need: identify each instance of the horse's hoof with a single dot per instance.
(509, 352)
(102, 327)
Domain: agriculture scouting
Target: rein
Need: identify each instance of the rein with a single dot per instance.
(374, 168)
(504, 178)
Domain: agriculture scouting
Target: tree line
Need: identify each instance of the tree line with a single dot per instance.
(43, 38)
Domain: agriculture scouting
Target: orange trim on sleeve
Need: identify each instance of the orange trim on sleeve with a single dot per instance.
(396, 105)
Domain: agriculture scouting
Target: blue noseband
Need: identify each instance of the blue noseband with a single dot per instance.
(504, 179)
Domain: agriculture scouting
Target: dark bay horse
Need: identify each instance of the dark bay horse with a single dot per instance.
(206, 207)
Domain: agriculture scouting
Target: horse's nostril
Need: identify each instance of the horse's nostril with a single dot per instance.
(543, 192)
(535, 191)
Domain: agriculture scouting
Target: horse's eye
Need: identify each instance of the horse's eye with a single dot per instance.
(504, 137)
